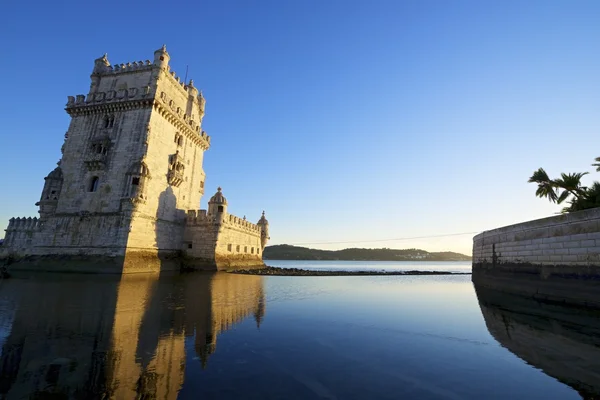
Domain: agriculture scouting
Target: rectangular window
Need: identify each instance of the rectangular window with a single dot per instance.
(229, 247)
(93, 184)
(238, 248)
(135, 181)
(189, 245)
(257, 251)
(252, 250)
(245, 249)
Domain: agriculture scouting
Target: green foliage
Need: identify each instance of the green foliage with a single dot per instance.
(568, 187)
(546, 186)
(287, 252)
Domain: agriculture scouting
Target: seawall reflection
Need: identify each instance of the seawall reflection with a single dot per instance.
(100, 337)
(564, 342)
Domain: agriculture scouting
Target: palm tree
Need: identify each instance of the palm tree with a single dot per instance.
(546, 186)
(570, 185)
(591, 199)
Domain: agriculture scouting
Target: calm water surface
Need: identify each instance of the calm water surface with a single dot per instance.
(204, 336)
(451, 266)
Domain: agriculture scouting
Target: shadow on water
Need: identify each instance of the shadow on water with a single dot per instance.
(82, 337)
(562, 341)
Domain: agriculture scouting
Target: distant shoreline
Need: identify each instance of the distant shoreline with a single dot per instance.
(296, 253)
(276, 271)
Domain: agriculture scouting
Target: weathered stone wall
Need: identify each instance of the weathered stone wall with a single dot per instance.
(221, 243)
(238, 245)
(555, 258)
(199, 240)
(19, 233)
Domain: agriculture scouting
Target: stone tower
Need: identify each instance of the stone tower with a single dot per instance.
(125, 194)
(131, 166)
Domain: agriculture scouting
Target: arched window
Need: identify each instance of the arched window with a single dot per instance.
(93, 184)
(108, 121)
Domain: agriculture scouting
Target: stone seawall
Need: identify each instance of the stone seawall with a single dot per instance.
(555, 259)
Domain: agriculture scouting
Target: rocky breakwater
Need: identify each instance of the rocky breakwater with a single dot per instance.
(305, 272)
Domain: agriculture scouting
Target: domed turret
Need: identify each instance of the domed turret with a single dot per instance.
(55, 174)
(217, 205)
(50, 193)
(264, 230)
(161, 57)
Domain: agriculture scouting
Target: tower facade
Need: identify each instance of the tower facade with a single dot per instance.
(130, 170)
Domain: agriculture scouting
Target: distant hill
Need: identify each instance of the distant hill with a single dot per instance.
(287, 252)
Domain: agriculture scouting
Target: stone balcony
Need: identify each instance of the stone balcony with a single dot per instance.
(175, 177)
(96, 162)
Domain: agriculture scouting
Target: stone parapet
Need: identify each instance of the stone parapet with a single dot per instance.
(231, 221)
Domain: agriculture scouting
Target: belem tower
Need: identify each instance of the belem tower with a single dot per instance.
(125, 195)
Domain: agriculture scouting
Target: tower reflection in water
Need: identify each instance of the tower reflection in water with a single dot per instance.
(564, 342)
(82, 337)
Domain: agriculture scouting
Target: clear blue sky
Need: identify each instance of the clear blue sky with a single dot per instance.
(344, 120)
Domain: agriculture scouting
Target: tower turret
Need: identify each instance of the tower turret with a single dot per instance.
(217, 205)
(49, 199)
(192, 89)
(202, 104)
(100, 66)
(161, 57)
(264, 230)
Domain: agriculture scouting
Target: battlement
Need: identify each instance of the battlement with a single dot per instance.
(199, 217)
(234, 221)
(23, 224)
(103, 68)
(138, 66)
(183, 118)
(127, 67)
(109, 97)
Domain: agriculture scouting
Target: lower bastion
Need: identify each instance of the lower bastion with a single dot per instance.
(554, 259)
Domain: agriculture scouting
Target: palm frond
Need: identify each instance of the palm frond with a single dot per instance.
(563, 196)
(597, 164)
(539, 176)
